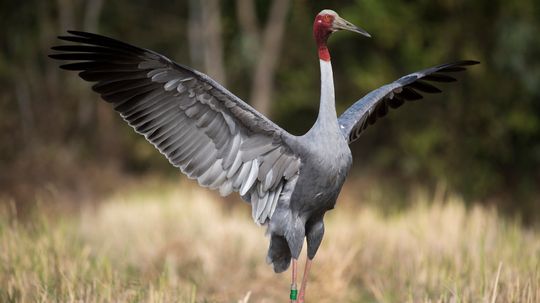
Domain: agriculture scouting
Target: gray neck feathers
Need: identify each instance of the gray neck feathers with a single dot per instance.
(327, 119)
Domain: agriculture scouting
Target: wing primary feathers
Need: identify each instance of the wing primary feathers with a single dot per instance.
(199, 126)
(374, 105)
(439, 78)
(425, 87)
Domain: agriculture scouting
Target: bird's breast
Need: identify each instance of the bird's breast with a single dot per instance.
(331, 169)
(322, 175)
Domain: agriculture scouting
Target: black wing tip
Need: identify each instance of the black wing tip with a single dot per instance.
(469, 62)
(457, 66)
(90, 35)
(57, 56)
(81, 42)
(72, 33)
(462, 63)
(82, 35)
(69, 66)
(54, 56)
(77, 32)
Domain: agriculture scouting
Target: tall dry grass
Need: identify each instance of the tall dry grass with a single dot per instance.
(170, 243)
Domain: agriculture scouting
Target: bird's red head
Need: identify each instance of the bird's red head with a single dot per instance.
(322, 28)
(327, 22)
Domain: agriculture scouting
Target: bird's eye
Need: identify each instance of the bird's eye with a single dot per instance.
(327, 18)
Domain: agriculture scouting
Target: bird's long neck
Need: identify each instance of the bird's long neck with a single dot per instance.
(326, 123)
(327, 107)
(327, 120)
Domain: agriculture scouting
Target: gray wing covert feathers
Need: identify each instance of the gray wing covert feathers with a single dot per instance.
(201, 128)
(374, 105)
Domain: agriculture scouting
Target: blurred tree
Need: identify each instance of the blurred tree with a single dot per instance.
(269, 51)
(206, 47)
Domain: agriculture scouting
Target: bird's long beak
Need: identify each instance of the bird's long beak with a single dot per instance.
(340, 23)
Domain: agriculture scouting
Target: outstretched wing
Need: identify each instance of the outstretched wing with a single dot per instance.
(376, 104)
(200, 127)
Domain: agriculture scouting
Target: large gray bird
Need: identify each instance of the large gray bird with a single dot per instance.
(222, 142)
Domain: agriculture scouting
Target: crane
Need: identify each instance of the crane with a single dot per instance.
(214, 137)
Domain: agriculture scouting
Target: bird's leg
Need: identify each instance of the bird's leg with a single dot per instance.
(294, 291)
(302, 293)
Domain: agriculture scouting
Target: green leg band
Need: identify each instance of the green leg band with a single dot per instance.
(294, 294)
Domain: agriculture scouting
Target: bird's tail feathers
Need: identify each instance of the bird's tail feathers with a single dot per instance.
(279, 254)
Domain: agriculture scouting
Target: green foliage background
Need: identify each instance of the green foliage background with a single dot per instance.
(481, 137)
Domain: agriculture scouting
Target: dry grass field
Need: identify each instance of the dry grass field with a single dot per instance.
(164, 242)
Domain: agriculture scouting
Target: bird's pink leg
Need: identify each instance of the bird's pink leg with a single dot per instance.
(294, 291)
(302, 293)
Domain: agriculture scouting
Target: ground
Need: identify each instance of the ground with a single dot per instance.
(171, 241)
